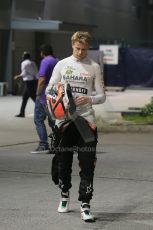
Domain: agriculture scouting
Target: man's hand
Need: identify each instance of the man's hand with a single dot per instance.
(81, 100)
(41, 85)
(16, 77)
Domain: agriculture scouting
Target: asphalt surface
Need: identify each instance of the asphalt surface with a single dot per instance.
(123, 184)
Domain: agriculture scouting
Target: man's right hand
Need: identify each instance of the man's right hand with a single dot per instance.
(16, 77)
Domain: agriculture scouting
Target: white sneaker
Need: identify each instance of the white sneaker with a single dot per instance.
(64, 203)
(85, 213)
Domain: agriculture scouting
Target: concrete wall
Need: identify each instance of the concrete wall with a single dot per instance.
(29, 8)
(119, 19)
(61, 43)
(5, 14)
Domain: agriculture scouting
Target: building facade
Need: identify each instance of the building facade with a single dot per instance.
(25, 25)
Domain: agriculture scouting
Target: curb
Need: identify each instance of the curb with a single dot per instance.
(126, 128)
(122, 126)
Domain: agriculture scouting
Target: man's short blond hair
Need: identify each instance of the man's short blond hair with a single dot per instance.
(82, 37)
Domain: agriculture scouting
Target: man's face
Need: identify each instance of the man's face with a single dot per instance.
(80, 50)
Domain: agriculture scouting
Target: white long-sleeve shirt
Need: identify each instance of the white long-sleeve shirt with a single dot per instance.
(28, 70)
(84, 76)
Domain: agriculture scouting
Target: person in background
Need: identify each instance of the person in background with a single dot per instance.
(83, 74)
(47, 65)
(28, 74)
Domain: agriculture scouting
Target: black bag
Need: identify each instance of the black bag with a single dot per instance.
(56, 138)
(54, 169)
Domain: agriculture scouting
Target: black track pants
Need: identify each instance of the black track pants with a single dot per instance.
(72, 142)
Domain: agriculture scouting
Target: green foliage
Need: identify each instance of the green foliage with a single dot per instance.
(145, 115)
(147, 110)
(139, 119)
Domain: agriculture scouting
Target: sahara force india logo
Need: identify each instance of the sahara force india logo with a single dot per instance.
(69, 70)
(74, 78)
(69, 75)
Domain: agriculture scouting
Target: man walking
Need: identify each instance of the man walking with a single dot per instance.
(28, 75)
(46, 67)
(83, 75)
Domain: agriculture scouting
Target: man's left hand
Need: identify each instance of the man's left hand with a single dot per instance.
(81, 100)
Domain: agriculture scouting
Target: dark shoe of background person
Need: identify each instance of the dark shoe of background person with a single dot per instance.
(41, 149)
(20, 115)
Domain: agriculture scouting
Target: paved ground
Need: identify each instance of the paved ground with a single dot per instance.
(123, 198)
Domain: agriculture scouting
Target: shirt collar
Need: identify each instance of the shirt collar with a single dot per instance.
(77, 60)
